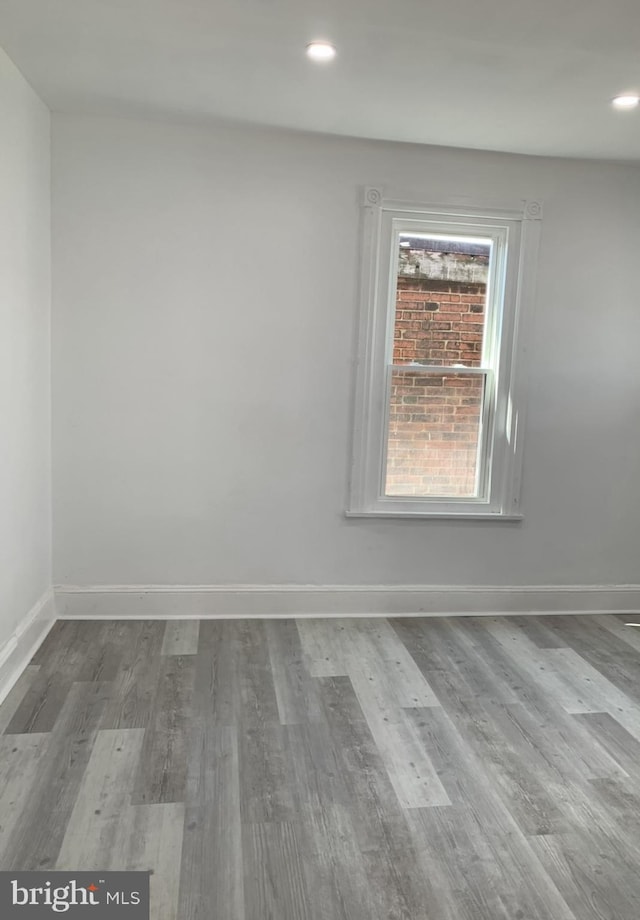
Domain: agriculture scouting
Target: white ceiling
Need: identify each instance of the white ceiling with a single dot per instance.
(532, 76)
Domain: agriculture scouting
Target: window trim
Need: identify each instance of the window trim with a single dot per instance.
(381, 218)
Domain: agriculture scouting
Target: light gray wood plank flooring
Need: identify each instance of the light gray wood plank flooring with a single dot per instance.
(471, 768)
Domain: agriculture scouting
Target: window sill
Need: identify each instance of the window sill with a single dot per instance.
(437, 515)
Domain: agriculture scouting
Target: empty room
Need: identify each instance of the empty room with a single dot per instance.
(319, 460)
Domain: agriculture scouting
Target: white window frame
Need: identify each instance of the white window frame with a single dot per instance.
(514, 229)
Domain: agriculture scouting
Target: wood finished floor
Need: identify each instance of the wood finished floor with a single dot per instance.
(343, 769)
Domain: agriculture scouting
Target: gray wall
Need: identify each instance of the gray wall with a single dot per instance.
(25, 372)
(202, 399)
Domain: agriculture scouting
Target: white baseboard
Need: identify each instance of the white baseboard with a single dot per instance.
(17, 651)
(222, 601)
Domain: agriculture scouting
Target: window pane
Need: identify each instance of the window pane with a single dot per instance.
(441, 300)
(434, 433)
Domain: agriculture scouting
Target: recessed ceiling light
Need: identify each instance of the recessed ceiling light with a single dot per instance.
(321, 51)
(626, 101)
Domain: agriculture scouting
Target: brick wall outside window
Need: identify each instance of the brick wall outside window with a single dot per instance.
(434, 421)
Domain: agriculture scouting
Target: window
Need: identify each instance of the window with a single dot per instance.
(445, 292)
